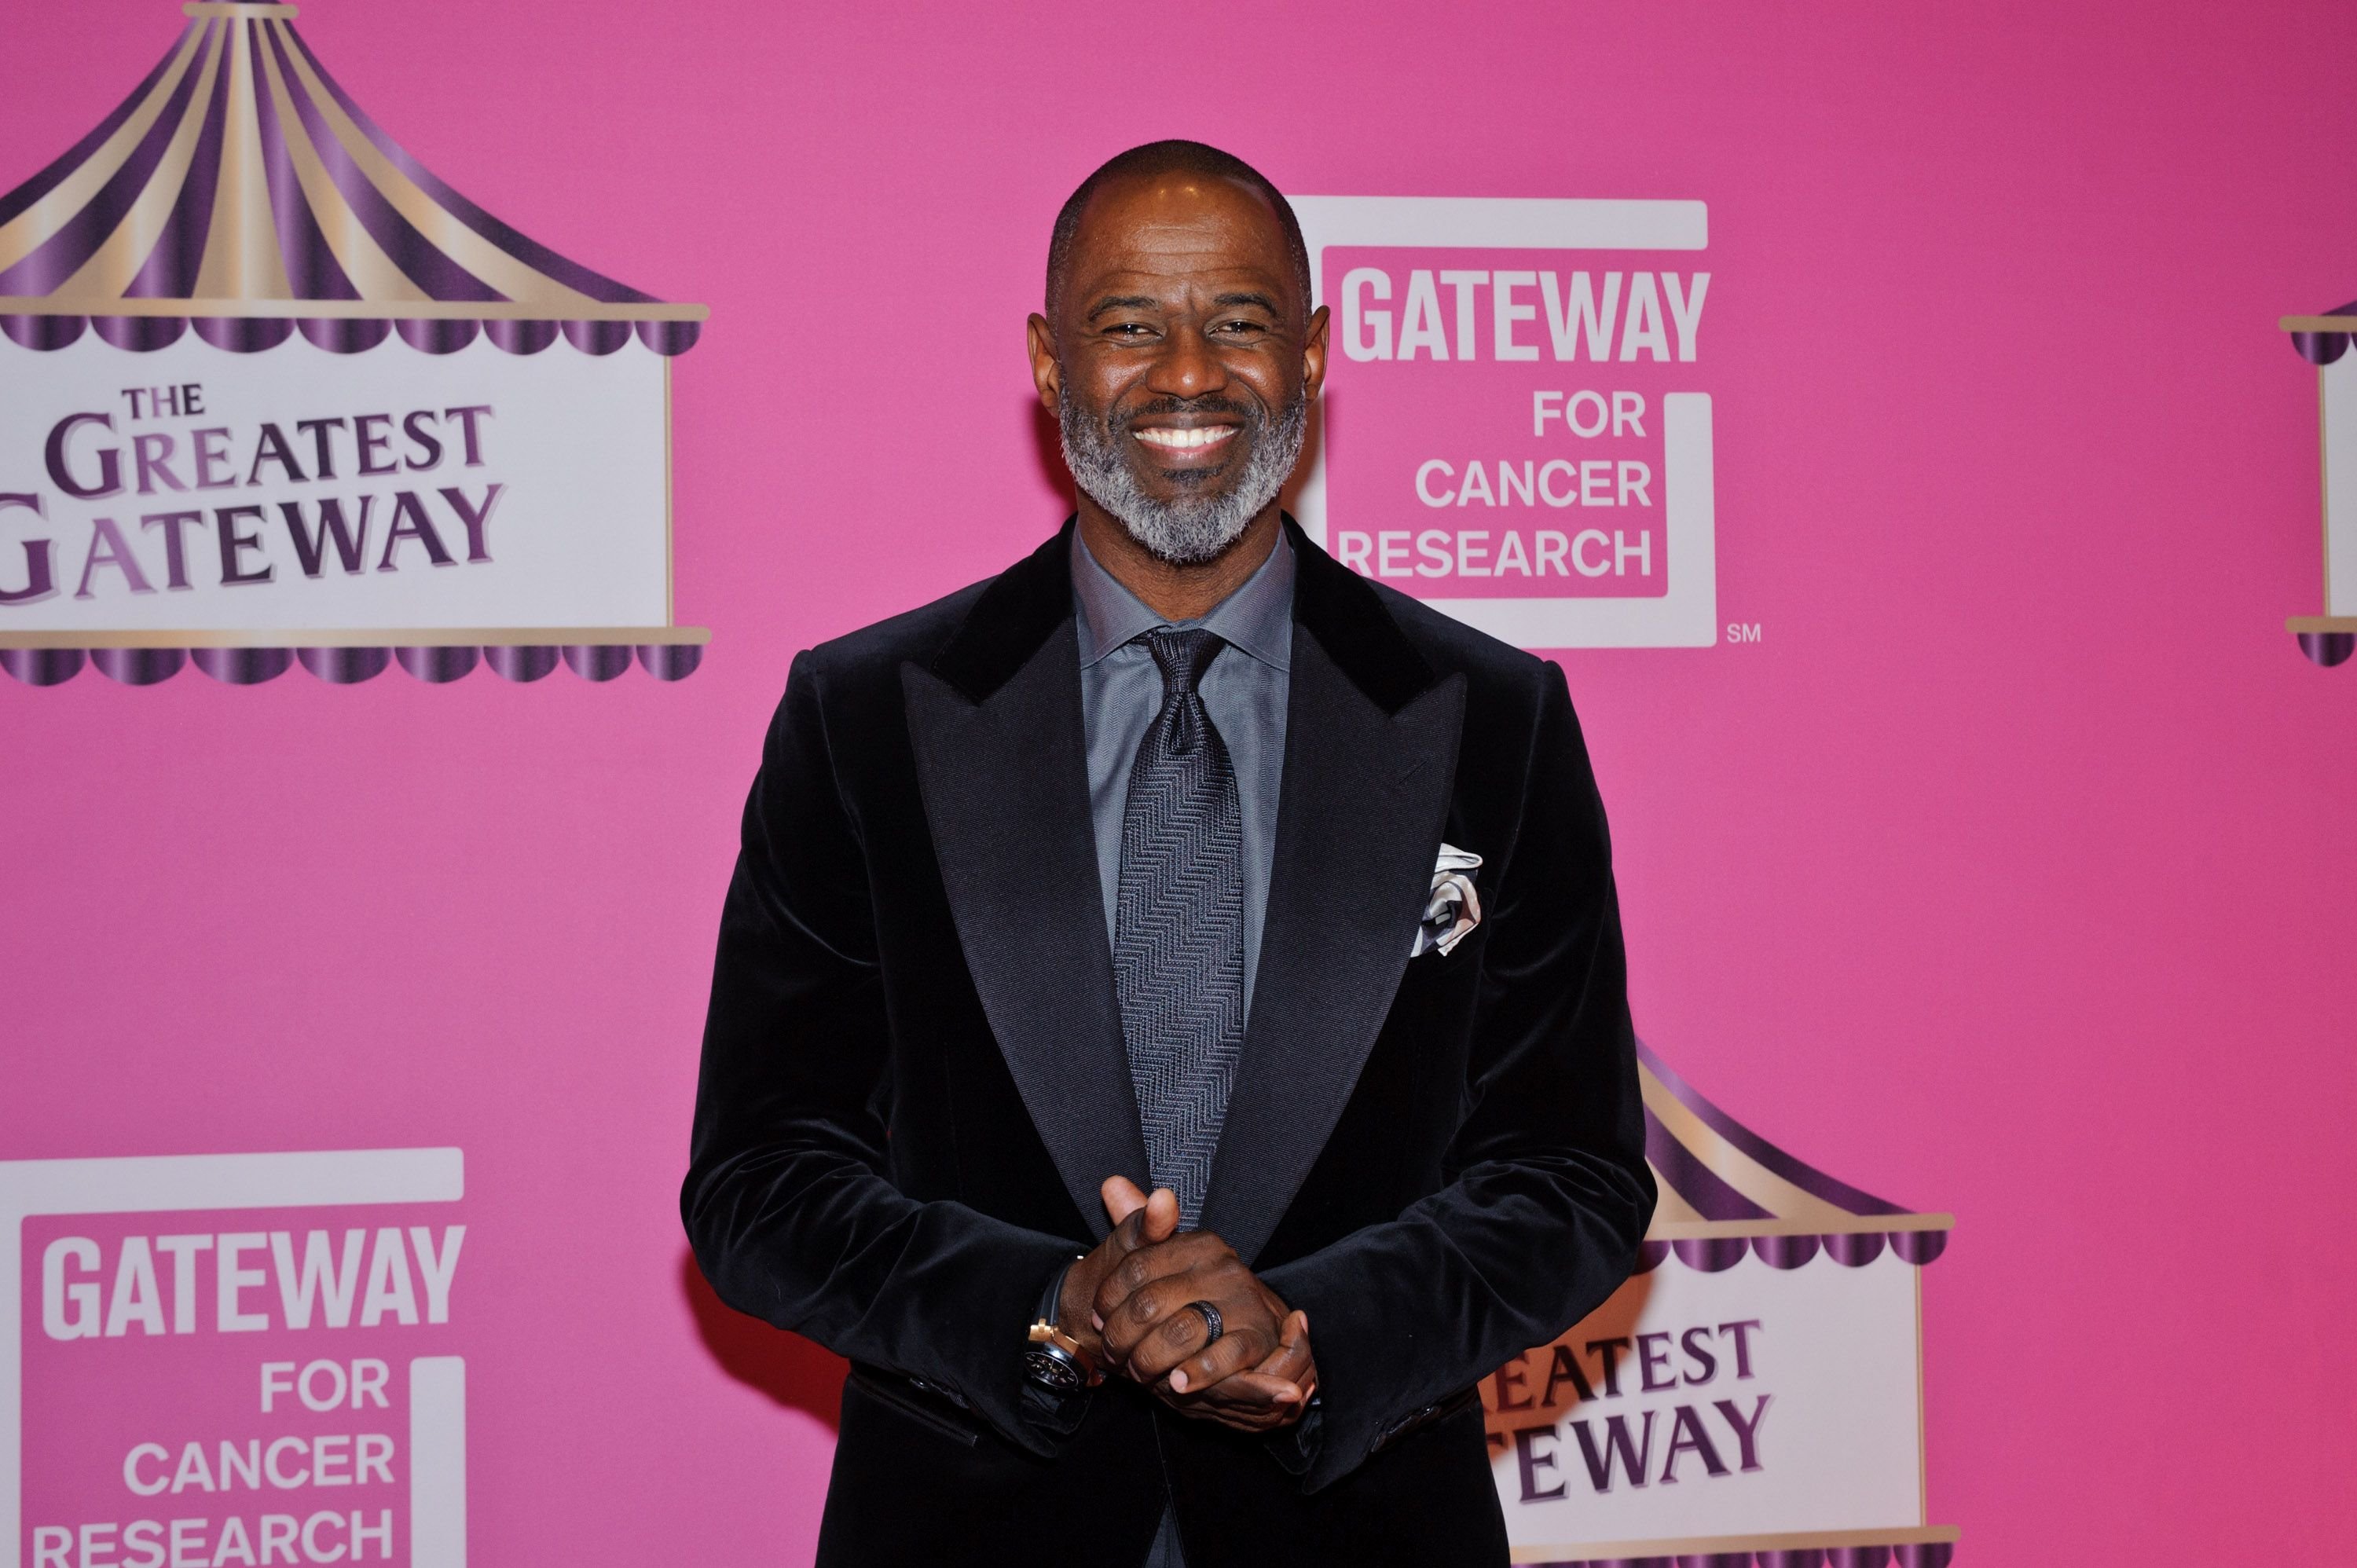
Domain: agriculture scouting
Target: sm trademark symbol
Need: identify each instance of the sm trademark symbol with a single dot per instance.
(1740, 631)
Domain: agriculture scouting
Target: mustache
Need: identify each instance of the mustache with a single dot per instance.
(1253, 416)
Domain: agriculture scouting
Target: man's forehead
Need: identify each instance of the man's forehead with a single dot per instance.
(1190, 226)
(1163, 271)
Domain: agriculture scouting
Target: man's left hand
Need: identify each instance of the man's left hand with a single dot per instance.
(1257, 1377)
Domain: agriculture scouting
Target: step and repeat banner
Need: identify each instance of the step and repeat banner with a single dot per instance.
(1903, 429)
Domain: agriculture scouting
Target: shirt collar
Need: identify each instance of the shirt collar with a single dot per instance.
(1257, 618)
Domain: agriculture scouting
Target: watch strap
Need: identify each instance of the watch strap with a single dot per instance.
(1047, 1337)
(1052, 1303)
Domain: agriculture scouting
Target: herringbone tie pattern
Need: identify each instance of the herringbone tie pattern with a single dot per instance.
(1179, 925)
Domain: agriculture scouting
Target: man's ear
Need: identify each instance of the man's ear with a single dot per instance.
(1046, 373)
(1313, 352)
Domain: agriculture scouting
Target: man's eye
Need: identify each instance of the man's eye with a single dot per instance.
(1239, 327)
(1129, 329)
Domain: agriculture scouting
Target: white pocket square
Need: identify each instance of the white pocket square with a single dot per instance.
(1453, 908)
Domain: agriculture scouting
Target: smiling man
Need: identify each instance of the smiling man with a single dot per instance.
(1169, 1029)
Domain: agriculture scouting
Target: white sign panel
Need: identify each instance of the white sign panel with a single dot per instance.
(2341, 486)
(1755, 1401)
(193, 488)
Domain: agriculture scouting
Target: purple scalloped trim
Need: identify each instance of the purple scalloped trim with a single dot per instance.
(140, 334)
(521, 664)
(243, 666)
(436, 666)
(344, 335)
(597, 337)
(1855, 1250)
(437, 336)
(2323, 348)
(42, 333)
(2320, 347)
(1712, 1254)
(245, 334)
(345, 666)
(1919, 1246)
(1852, 1249)
(1908, 1554)
(138, 666)
(42, 666)
(2327, 647)
(670, 660)
(523, 337)
(670, 338)
(597, 661)
(1786, 1252)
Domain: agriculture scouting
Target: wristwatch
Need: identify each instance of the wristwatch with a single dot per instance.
(1053, 1360)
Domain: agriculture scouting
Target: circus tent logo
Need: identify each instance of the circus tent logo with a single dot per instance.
(1755, 1393)
(270, 392)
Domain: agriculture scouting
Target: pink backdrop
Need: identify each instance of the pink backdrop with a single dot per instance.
(2008, 875)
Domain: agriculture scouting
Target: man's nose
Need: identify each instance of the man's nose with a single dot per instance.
(1186, 368)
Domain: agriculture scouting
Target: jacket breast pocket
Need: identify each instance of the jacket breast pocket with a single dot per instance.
(931, 1411)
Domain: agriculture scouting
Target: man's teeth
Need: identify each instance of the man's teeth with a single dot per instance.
(1185, 440)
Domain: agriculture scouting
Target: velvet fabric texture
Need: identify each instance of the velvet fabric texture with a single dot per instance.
(914, 1079)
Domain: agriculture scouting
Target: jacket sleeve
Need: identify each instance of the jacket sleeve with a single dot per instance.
(1550, 1193)
(786, 1202)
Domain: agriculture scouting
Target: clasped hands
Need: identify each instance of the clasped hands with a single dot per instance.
(1128, 1304)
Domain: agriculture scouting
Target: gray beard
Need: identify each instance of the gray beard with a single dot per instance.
(1191, 529)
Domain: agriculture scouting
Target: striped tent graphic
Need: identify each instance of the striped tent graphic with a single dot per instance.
(239, 191)
(1727, 1191)
(238, 197)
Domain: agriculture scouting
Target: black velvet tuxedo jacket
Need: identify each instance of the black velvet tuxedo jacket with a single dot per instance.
(914, 1079)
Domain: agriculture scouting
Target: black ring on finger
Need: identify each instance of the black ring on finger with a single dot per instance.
(1211, 1321)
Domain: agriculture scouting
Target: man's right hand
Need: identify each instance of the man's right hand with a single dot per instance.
(1140, 1220)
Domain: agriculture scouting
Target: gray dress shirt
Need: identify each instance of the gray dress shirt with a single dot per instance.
(1243, 691)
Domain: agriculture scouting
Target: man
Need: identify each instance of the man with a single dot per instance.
(1106, 876)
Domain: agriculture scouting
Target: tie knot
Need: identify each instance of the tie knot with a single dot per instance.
(1182, 656)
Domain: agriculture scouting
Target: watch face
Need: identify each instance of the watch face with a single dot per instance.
(1052, 1369)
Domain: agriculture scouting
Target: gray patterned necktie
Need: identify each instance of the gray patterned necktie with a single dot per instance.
(1179, 925)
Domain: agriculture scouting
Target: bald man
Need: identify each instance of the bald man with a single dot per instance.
(1170, 1030)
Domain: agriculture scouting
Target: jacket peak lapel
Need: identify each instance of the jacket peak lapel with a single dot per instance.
(994, 721)
(1372, 737)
